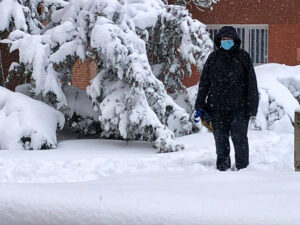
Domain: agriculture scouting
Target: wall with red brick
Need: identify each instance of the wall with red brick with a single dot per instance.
(284, 42)
(282, 16)
(193, 79)
(250, 12)
(83, 72)
(7, 59)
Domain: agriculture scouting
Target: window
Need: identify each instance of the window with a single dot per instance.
(254, 39)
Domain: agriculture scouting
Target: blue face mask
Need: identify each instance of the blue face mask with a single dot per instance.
(227, 44)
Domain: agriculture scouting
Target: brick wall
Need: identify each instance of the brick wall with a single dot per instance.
(7, 59)
(194, 79)
(83, 72)
(250, 12)
(284, 42)
(283, 18)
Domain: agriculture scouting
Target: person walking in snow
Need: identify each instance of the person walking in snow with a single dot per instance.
(228, 94)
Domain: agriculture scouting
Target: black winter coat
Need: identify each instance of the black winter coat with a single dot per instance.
(228, 80)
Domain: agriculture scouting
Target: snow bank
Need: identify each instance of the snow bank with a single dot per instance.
(26, 123)
(87, 160)
(279, 89)
(278, 86)
(158, 198)
(118, 182)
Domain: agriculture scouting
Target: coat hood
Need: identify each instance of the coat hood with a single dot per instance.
(227, 31)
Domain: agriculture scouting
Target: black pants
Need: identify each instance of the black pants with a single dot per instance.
(234, 124)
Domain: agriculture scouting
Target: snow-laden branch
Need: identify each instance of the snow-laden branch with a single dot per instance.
(26, 15)
(197, 3)
(203, 3)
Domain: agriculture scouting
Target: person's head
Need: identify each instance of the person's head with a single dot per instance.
(228, 36)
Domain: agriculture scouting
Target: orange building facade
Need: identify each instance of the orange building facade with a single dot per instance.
(282, 18)
(270, 28)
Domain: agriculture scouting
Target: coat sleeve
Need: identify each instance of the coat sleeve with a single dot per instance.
(253, 96)
(204, 84)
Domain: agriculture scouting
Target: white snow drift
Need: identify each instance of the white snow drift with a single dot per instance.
(26, 123)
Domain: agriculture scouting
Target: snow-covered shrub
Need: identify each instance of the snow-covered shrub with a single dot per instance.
(79, 114)
(132, 102)
(26, 123)
(278, 89)
(278, 85)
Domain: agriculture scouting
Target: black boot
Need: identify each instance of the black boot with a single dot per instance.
(223, 163)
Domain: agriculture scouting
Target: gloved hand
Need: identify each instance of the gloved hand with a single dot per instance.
(197, 115)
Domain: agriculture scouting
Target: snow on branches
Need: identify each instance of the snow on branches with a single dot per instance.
(197, 3)
(174, 44)
(24, 15)
(127, 40)
(203, 3)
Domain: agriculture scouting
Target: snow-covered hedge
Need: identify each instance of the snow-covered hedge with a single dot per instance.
(279, 90)
(26, 123)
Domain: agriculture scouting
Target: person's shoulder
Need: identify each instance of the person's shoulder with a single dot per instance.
(211, 55)
(244, 53)
(245, 56)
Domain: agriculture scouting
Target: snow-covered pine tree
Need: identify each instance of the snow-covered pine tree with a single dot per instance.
(175, 43)
(132, 102)
(28, 16)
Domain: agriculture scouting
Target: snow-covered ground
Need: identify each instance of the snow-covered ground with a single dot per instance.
(114, 182)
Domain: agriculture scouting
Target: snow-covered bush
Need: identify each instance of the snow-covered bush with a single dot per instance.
(79, 114)
(279, 86)
(120, 37)
(26, 123)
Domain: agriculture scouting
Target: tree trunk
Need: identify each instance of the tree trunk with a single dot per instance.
(2, 80)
